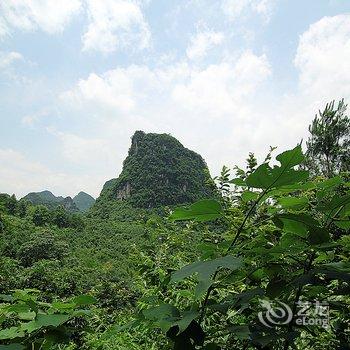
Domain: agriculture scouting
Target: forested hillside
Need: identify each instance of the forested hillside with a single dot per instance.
(81, 202)
(160, 171)
(169, 258)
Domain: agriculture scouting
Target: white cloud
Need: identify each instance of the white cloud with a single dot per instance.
(31, 119)
(7, 58)
(115, 24)
(206, 108)
(219, 89)
(29, 15)
(21, 175)
(323, 58)
(236, 9)
(81, 150)
(215, 89)
(202, 42)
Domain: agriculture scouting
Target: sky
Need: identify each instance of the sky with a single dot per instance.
(225, 77)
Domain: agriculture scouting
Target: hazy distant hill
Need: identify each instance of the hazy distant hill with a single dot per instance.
(47, 198)
(83, 201)
(158, 171)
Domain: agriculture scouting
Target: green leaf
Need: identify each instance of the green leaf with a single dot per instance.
(43, 320)
(291, 158)
(83, 300)
(204, 210)
(28, 316)
(63, 306)
(186, 319)
(15, 346)
(238, 182)
(329, 183)
(205, 271)
(249, 196)
(296, 203)
(265, 177)
(18, 308)
(161, 311)
(163, 315)
(11, 333)
(295, 223)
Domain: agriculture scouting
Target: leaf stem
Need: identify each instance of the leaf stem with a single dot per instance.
(238, 233)
(296, 300)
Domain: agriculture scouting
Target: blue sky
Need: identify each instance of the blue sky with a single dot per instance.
(226, 77)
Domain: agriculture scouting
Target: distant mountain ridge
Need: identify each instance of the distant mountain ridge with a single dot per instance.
(160, 171)
(81, 202)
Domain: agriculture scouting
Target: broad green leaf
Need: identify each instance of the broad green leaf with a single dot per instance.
(296, 203)
(18, 308)
(291, 158)
(158, 312)
(28, 316)
(238, 182)
(11, 333)
(249, 196)
(329, 183)
(203, 210)
(243, 299)
(205, 271)
(78, 313)
(163, 315)
(83, 300)
(63, 306)
(43, 320)
(186, 319)
(12, 347)
(261, 177)
(295, 223)
(265, 177)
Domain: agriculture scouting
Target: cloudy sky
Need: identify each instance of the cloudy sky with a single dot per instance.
(225, 77)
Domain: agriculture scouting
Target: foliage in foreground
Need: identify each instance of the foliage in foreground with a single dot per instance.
(289, 246)
(30, 323)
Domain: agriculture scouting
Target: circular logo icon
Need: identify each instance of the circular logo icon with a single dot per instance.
(278, 313)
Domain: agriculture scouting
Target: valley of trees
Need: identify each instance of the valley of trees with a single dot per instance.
(169, 258)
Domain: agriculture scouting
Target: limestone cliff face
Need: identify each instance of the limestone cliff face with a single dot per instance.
(158, 171)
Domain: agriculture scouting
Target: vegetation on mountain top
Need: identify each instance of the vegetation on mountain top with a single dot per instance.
(159, 171)
(81, 202)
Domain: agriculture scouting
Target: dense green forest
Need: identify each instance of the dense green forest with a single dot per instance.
(169, 258)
